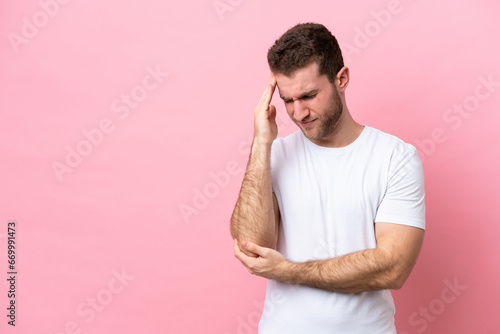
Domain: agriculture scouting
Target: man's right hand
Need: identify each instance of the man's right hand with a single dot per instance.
(265, 127)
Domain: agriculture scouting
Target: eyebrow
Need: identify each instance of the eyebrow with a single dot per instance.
(301, 96)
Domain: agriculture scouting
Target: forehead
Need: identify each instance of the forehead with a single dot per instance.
(305, 79)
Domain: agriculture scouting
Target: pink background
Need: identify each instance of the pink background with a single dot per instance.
(150, 198)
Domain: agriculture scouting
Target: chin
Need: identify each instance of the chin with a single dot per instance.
(312, 136)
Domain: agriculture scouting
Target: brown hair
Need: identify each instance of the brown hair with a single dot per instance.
(303, 44)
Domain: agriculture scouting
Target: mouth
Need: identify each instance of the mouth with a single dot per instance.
(307, 124)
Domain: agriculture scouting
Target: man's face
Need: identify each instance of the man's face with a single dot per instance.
(311, 101)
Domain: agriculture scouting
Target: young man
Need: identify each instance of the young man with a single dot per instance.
(334, 214)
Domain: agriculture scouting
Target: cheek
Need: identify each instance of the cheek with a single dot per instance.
(318, 102)
(319, 105)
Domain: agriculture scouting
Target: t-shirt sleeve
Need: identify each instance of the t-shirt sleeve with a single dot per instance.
(404, 198)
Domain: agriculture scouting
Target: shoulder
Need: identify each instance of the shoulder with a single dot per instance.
(389, 145)
(385, 139)
(399, 159)
(291, 139)
(286, 145)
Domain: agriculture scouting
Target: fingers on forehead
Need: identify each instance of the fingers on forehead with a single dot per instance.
(264, 99)
(267, 95)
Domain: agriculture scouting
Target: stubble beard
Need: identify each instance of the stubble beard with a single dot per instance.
(329, 121)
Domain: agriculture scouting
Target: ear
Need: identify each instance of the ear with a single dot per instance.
(342, 79)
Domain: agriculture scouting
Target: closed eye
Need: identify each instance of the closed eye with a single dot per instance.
(308, 97)
(305, 97)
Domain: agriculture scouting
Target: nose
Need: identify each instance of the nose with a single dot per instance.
(300, 110)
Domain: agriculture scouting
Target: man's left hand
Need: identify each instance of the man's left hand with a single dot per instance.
(269, 263)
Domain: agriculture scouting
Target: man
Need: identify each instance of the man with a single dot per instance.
(332, 215)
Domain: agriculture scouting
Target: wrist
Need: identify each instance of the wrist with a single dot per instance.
(261, 146)
(262, 142)
(286, 272)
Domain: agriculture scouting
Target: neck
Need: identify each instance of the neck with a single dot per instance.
(346, 132)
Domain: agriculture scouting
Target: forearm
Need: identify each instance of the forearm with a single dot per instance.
(367, 270)
(253, 216)
(385, 267)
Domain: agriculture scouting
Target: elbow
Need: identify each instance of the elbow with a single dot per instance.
(233, 224)
(232, 230)
(393, 274)
(397, 279)
(397, 284)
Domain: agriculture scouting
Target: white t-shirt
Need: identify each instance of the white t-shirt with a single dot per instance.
(329, 199)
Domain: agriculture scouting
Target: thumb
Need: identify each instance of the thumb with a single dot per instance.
(254, 248)
(272, 112)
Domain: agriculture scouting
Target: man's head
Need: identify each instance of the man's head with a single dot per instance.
(303, 44)
(311, 80)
